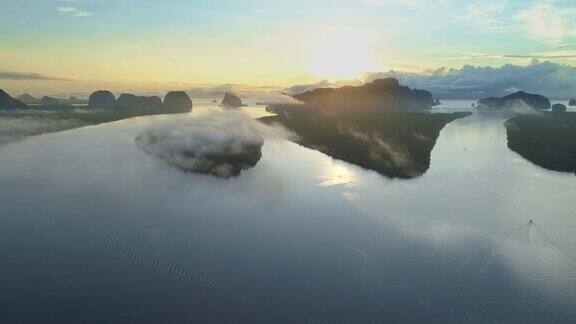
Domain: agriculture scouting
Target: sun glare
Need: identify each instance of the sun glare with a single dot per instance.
(341, 54)
(337, 174)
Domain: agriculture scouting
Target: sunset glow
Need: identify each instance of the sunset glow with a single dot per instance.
(67, 46)
(342, 53)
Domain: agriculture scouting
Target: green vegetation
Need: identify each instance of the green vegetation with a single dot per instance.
(547, 140)
(395, 144)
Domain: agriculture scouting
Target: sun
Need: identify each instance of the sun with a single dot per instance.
(341, 54)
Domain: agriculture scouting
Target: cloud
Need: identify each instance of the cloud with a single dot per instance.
(548, 23)
(378, 3)
(73, 11)
(487, 15)
(14, 128)
(566, 47)
(261, 94)
(381, 151)
(9, 75)
(301, 88)
(556, 53)
(221, 144)
(473, 82)
(519, 107)
(218, 91)
(420, 3)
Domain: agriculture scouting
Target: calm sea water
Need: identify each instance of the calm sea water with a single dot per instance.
(94, 230)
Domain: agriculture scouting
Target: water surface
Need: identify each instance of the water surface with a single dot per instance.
(93, 229)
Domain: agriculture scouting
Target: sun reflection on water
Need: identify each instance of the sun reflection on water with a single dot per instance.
(335, 174)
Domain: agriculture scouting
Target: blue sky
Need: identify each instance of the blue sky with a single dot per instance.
(271, 42)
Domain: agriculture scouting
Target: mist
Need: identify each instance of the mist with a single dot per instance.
(519, 107)
(221, 144)
(143, 216)
(13, 129)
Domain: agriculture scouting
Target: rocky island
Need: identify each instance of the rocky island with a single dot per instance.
(559, 108)
(383, 131)
(133, 105)
(572, 102)
(382, 94)
(28, 99)
(102, 99)
(546, 140)
(177, 102)
(130, 101)
(48, 101)
(231, 100)
(509, 102)
(222, 144)
(9, 103)
(76, 101)
(51, 114)
(51, 103)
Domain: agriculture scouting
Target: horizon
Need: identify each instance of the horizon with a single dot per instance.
(75, 46)
(558, 76)
(288, 161)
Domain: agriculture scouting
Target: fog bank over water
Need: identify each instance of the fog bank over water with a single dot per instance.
(299, 237)
(13, 128)
(222, 143)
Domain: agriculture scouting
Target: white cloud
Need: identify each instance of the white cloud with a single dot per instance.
(14, 127)
(548, 23)
(301, 88)
(73, 11)
(380, 3)
(221, 144)
(473, 82)
(562, 52)
(487, 14)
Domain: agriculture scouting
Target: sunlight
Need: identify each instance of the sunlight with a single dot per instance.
(341, 53)
(337, 174)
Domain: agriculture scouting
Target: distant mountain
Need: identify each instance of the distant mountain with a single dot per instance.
(231, 100)
(174, 102)
(9, 103)
(177, 102)
(535, 101)
(49, 101)
(102, 99)
(559, 108)
(379, 94)
(75, 101)
(132, 101)
(28, 99)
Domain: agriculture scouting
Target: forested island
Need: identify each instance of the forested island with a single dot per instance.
(231, 100)
(510, 102)
(382, 126)
(380, 94)
(547, 140)
(49, 114)
(395, 144)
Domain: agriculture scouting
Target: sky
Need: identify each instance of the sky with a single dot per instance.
(48, 45)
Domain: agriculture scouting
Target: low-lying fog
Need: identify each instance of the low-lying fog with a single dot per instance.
(221, 143)
(97, 227)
